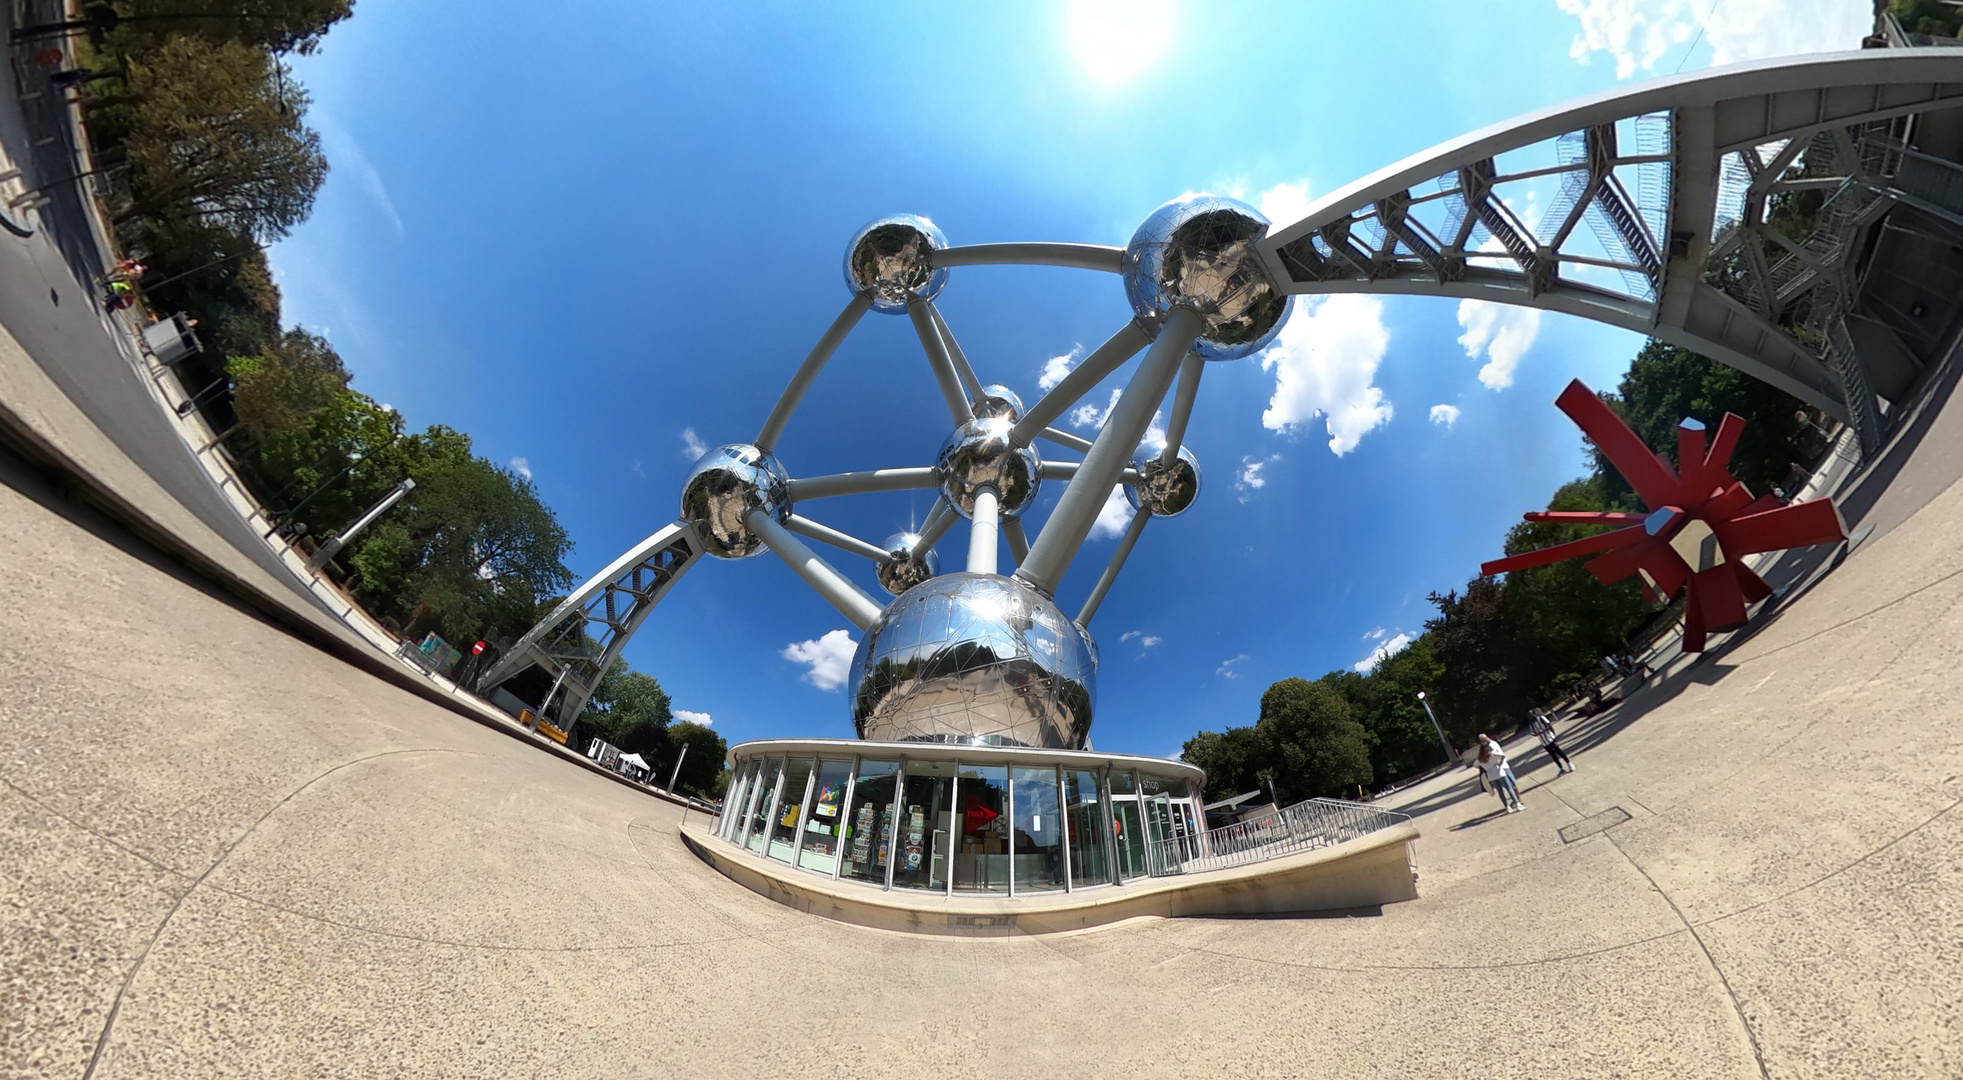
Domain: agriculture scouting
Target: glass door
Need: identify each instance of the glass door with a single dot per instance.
(925, 821)
(817, 847)
(981, 862)
(869, 822)
(757, 823)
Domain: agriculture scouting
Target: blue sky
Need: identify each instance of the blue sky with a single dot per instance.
(592, 243)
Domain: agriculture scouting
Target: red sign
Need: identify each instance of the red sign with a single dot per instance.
(976, 815)
(478, 649)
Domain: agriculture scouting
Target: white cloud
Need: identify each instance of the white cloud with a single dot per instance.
(1056, 367)
(1149, 640)
(351, 162)
(1226, 668)
(1284, 204)
(1445, 414)
(1088, 415)
(1324, 363)
(1644, 34)
(1115, 515)
(521, 467)
(1502, 333)
(1389, 648)
(694, 717)
(639, 473)
(1129, 634)
(829, 658)
(692, 447)
(1375, 635)
(1248, 478)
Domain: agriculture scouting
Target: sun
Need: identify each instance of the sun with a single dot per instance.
(1114, 41)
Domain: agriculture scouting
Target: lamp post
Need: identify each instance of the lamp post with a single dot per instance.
(1426, 702)
(353, 460)
(333, 547)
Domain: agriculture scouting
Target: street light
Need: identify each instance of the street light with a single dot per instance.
(1426, 702)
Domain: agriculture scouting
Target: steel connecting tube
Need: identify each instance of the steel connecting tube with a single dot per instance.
(984, 523)
(1111, 568)
(1071, 522)
(1182, 405)
(937, 357)
(807, 372)
(1102, 361)
(851, 602)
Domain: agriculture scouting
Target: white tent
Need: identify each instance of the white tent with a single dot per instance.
(635, 760)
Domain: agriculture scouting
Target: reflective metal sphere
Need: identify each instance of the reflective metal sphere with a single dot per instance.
(1164, 489)
(725, 485)
(980, 453)
(888, 260)
(1199, 252)
(998, 401)
(905, 572)
(975, 658)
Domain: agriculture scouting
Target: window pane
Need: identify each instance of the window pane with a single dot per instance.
(1131, 836)
(790, 807)
(759, 812)
(869, 822)
(981, 862)
(818, 845)
(1090, 843)
(1162, 785)
(1036, 841)
(926, 826)
(1121, 782)
(732, 804)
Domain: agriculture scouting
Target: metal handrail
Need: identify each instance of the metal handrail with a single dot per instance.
(1305, 826)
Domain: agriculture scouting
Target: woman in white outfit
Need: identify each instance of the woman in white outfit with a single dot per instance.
(1492, 762)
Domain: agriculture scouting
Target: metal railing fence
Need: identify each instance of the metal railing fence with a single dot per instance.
(1305, 826)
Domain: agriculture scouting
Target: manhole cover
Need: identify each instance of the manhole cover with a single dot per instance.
(1589, 826)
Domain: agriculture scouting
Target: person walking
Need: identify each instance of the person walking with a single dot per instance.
(1542, 726)
(1492, 762)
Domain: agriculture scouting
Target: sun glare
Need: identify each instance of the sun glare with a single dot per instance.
(1115, 41)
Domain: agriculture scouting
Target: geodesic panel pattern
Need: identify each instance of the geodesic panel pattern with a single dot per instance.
(974, 658)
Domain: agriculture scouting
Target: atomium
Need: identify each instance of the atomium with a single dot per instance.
(1164, 488)
(974, 658)
(1198, 252)
(891, 262)
(908, 564)
(983, 453)
(726, 484)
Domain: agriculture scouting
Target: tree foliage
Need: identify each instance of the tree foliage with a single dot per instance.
(271, 25)
(1311, 741)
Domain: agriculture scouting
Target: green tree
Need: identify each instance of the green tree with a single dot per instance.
(1666, 384)
(1311, 741)
(702, 770)
(1234, 760)
(625, 703)
(214, 134)
(275, 25)
(1385, 702)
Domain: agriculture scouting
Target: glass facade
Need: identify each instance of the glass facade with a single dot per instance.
(868, 839)
(817, 847)
(1036, 838)
(981, 862)
(950, 824)
(795, 792)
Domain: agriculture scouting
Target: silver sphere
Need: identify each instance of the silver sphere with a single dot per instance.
(721, 490)
(978, 659)
(980, 453)
(997, 400)
(1164, 489)
(909, 567)
(889, 260)
(1198, 252)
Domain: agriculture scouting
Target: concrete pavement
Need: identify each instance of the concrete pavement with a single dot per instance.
(281, 866)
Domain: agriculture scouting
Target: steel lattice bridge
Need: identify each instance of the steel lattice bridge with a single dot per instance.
(1675, 182)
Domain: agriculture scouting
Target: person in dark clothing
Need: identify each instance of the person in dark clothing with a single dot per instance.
(1543, 727)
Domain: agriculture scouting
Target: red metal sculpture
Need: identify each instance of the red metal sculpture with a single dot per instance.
(1701, 525)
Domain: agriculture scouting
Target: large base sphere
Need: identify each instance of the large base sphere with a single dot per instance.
(725, 485)
(1198, 252)
(981, 453)
(890, 260)
(975, 658)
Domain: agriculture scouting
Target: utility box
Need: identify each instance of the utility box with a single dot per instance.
(171, 339)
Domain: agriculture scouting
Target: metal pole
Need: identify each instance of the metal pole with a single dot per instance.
(1102, 361)
(539, 714)
(962, 368)
(1450, 754)
(1050, 555)
(1111, 260)
(1018, 543)
(1182, 405)
(333, 547)
(1111, 568)
(943, 365)
(862, 483)
(672, 777)
(982, 528)
(825, 534)
(807, 372)
(852, 603)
